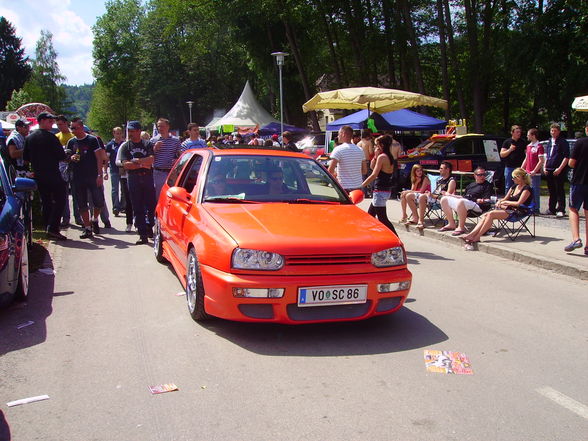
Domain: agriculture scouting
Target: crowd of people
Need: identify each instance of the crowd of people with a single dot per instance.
(75, 162)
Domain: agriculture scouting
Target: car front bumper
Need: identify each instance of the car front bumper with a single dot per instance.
(220, 302)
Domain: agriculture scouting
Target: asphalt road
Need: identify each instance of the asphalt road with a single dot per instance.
(109, 324)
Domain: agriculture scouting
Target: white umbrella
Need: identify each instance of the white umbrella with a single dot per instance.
(581, 103)
(6, 125)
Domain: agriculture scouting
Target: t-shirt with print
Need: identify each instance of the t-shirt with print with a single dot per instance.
(580, 154)
(130, 150)
(350, 158)
(87, 167)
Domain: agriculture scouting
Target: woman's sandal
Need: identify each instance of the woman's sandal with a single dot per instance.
(446, 228)
(420, 226)
(404, 220)
(458, 232)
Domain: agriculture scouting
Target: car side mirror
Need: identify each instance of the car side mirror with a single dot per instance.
(356, 196)
(179, 194)
(22, 185)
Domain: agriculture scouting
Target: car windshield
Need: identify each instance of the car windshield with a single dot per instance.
(234, 178)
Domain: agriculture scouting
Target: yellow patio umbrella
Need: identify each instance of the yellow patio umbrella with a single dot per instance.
(581, 103)
(373, 98)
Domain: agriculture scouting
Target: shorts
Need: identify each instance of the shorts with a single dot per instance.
(96, 193)
(469, 205)
(579, 196)
(380, 198)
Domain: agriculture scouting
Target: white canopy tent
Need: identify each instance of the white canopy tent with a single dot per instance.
(247, 112)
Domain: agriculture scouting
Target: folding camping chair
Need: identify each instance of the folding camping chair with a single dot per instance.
(434, 212)
(516, 223)
(474, 216)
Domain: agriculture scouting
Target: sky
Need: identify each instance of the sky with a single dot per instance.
(71, 23)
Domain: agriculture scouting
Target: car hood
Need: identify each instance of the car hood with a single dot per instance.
(296, 228)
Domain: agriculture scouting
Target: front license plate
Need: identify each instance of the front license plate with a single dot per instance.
(332, 295)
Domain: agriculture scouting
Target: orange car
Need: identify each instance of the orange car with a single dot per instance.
(270, 236)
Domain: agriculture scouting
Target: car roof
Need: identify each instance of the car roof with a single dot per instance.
(257, 152)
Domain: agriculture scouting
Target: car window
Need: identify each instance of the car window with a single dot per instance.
(460, 147)
(177, 169)
(270, 179)
(189, 179)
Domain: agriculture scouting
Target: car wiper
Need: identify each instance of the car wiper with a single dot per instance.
(230, 200)
(312, 201)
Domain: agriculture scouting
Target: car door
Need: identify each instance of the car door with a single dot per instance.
(179, 207)
(172, 180)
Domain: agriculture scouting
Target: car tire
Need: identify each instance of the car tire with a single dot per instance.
(195, 288)
(22, 289)
(158, 243)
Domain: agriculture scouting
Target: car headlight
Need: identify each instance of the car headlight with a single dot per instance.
(244, 258)
(390, 257)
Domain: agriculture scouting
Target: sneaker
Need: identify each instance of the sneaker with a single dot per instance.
(56, 235)
(95, 227)
(142, 240)
(87, 234)
(115, 212)
(547, 213)
(560, 214)
(129, 228)
(573, 245)
(107, 225)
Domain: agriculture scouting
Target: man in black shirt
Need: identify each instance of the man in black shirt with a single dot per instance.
(475, 198)
(44, 151)
(579, 192)
(287, 140)
(88, 158)
(513, 154)
(137, 158)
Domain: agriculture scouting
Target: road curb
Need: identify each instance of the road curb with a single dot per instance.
(542, 262)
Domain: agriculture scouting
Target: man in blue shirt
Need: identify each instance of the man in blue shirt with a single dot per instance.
(112, 150)
(558, 153)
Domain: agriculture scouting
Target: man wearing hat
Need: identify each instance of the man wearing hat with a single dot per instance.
(44, 151)
(15, 144)
(137, 159)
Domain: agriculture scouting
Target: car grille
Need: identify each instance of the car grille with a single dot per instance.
(333, 312)
(328, 259)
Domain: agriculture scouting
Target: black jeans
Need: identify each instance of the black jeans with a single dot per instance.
(53, 199)
(557, 194)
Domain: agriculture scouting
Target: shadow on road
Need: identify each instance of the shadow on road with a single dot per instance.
(423, 255)
(401, 331)
(37, 309)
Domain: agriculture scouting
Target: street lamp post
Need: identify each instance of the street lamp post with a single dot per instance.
(189, 103)
(280, 62)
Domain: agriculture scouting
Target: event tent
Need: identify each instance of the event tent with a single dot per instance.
(275, 127)
(246, 112)
(402, 119)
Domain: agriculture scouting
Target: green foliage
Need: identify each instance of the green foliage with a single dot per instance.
(79, 99)
(14, 67)
(514, 61)
(19, 98)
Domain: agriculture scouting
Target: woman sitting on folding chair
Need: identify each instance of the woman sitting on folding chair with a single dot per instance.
(419, 184)
(516, 197)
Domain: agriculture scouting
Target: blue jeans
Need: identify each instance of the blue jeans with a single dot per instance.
(115, 193)
(508, 178)
(536, 186)
(142, 194)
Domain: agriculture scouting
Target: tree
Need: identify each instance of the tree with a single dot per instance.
(46, 79)
(19, 98)
(14, 67)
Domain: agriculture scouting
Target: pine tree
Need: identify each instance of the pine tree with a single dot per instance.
(14, 67)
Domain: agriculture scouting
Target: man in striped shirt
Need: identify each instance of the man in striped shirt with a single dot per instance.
(347, 161)
(166, 148)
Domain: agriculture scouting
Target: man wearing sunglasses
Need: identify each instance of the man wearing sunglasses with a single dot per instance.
(475, 198)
